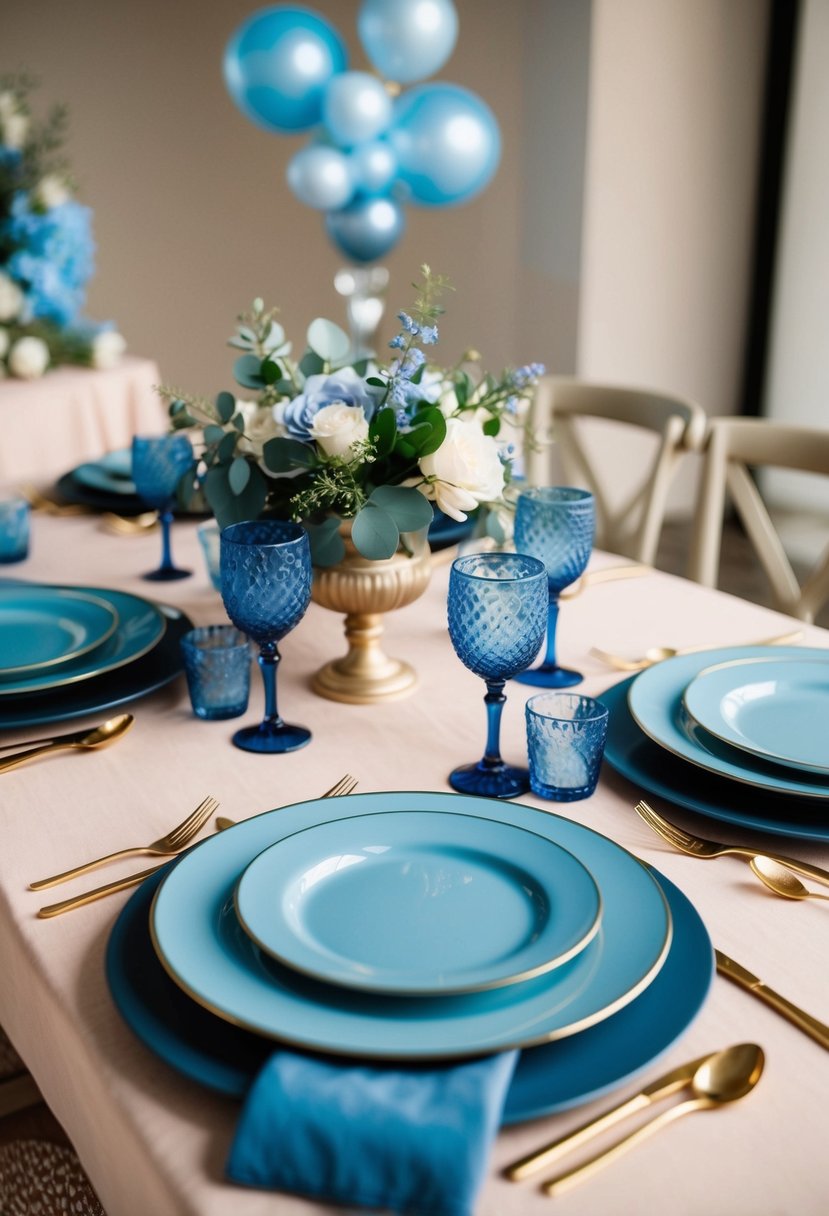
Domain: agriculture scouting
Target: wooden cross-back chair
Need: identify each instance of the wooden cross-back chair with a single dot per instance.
(561, 414)
(733, 447)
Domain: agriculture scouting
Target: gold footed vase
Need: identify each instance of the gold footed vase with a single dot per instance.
(364, 590)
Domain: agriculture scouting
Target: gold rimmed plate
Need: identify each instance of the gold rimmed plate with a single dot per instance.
(204, 949)
(44, 628)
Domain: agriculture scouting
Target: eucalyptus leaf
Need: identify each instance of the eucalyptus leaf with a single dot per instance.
(238, 475)
(239, 423)
(331, 343)
(239, 343)
(285, 455)
(230, 508)
(311, 364)
(437, 424)
(374, 532)
(227, 447)
(225, 406)
(405, 504)
(327, 546)
(270, 371)
(246, 372)
(214, 434)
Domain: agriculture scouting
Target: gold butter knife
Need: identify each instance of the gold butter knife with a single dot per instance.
(743, 978)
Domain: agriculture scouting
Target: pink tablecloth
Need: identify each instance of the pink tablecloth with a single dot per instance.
(154, 1142)
(74, 414)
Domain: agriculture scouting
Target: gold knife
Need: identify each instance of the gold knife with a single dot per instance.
(88, 897)
(662, 1087)
(744, 979)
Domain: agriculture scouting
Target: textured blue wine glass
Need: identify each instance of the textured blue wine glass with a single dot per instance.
(266, 587)
(557, 525)
(497, 618)
(158, 465)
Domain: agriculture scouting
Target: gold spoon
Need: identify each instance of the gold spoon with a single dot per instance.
(107, 732)
(656, 654)
(721, 1078)
(781, 880)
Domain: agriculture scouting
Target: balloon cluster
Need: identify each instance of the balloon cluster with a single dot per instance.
(370, 151)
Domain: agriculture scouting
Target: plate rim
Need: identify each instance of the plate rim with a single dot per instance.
(361, 983)
(469, 1051)
(742, 743)
(61, 593)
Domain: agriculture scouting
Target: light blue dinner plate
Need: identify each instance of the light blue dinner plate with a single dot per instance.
(774, 708)
(418, 903)
(547, 1079)
(139, 627)
(43, 628)
(205, 950)
(655, 700)
(112, 473)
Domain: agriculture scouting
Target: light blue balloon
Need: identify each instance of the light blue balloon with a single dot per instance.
(366, 229)
(374, 166)
(447, 143)
(277, 64)
(408, 40)
(321, 177)
(355, 108)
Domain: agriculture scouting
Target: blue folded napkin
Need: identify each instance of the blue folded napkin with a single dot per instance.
(410, 1140)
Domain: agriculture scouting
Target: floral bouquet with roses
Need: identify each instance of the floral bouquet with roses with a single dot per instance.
(326, 438)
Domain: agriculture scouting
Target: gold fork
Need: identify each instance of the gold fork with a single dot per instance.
(135, 525)
(174, 841)
(345, 785)
(698, 846)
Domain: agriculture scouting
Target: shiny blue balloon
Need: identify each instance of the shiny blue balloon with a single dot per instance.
(447, 142)
(366, 229)
(408, 40)
(321, 177)
(355, 108)
(277, 64)
(374, 166)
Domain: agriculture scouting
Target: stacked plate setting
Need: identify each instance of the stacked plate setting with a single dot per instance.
(736, 733)
(70, 651)
(412, 927)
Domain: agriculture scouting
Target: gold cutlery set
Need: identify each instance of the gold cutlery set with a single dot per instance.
(657, 654)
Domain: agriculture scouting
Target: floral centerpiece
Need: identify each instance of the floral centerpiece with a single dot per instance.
(46, 246)
(326, 439)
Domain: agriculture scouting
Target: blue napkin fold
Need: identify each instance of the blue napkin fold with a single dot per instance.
(411, 1140)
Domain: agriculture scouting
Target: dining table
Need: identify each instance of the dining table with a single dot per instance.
(154, 1141)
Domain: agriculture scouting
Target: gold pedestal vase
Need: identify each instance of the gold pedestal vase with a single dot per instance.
(364, 590)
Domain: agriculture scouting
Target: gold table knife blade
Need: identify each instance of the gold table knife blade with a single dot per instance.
(739, 975)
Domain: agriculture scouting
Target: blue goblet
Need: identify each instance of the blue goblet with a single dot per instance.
(266, 587)
(497, 618)
(158, 465)
(555, 524)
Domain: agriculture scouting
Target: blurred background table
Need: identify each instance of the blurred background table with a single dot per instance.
(75, 414)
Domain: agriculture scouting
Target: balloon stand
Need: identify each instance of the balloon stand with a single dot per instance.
(364, 291)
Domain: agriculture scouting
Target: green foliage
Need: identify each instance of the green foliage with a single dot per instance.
(374, 532)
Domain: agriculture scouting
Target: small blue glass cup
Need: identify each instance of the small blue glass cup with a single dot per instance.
(556, 524)
(266, 588)
(158, 464)
(217, 666)
(15, 524)
(566, 734)
(497, 617)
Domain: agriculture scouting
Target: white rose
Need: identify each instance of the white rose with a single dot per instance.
(465, 470)
(107, 349)
(11, 298)
(28, 358)
(260, 426)
(51, 191)
(338, 427)
(4, 342)
(15, 128)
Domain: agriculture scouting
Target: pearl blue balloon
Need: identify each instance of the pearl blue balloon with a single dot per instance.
(447, 143)
(374, 166)
(366, 229)
(277, 64)
(321, 177)
(355, 108)
(408, 40)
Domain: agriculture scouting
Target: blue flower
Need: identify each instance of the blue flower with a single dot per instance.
(524, 376)
(52, 258)
(429, 335)
(398, 342)
(410, 326)
(344, 386)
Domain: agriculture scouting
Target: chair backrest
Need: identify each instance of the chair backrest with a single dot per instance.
(561, 418)
(733, 446)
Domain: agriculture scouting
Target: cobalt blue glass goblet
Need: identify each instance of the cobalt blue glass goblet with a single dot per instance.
(266, 588)
(555, 524)
(497, 618)
(158, 465)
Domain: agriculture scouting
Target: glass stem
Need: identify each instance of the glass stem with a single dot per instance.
(552, 621)
(166, 518)
(494, 701)
(268, 662)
